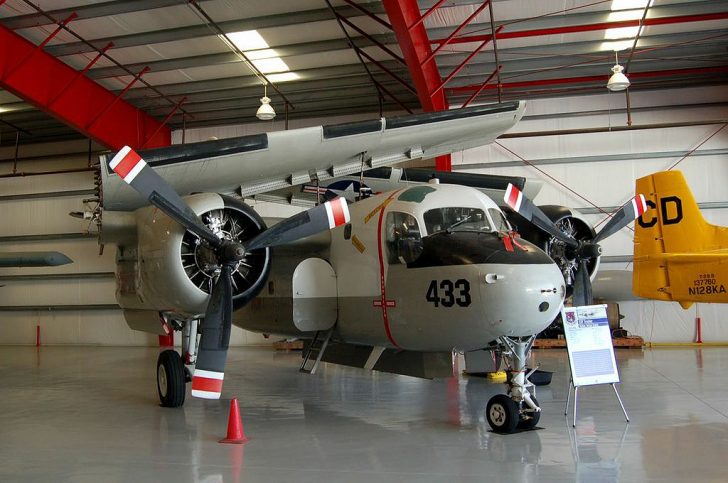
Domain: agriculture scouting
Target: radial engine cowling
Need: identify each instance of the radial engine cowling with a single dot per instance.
(568, 221)
(172, 270)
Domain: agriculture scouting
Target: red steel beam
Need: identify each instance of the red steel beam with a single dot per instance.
(427, 13)
(415, 46)
(589, 27)
(462, 65)
(459, 29)
(482, 86)
(593, 78)
(55, 88)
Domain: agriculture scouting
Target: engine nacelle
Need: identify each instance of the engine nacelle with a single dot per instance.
(171, 270)
(568, 221)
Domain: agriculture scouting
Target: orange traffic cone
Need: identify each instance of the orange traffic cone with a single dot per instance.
(235, 433)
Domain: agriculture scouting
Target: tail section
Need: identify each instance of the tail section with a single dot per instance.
(670, 239)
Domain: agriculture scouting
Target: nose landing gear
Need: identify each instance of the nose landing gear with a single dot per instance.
(518, 409)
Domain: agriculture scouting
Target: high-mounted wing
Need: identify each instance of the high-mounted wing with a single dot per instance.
(259, 163)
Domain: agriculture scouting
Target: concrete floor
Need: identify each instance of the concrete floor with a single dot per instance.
(89, 414)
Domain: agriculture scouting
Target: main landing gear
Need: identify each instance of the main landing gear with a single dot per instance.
(517, 410)
(172, 373)
(171, 379)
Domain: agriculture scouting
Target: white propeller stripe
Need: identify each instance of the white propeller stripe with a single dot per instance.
(205, 394)
(209, 374)
(119, 156)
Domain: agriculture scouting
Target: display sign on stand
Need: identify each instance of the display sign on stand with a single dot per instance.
(590, 349)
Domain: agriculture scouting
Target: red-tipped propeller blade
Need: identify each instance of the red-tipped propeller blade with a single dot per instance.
(215, 339)
(628, 213)
(326, 216)
(134, 170)
(525, 207)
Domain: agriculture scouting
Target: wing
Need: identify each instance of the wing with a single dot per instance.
(260, 163)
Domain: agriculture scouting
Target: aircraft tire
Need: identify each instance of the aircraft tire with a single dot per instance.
(502, 414)
(532, 421)
(171, 379)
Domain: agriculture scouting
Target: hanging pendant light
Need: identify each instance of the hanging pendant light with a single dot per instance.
(618, 81)
(265, 111)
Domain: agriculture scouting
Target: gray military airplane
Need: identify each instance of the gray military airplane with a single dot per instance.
(394, 282)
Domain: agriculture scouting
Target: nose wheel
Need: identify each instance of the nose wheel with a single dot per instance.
(518, 409)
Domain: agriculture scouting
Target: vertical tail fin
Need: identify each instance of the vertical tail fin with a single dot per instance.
(672, 224)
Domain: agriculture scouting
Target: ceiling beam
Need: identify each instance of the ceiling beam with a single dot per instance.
(59, 90)
(95, 10)
(404, 15)
(570, 29)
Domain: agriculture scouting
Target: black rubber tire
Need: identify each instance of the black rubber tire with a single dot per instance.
(171, 385)
(531, 422)
(502, 414)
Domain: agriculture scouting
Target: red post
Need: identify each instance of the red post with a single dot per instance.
(698, 331)
(37, 335)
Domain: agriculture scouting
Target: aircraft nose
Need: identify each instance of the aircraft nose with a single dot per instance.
(528, 296)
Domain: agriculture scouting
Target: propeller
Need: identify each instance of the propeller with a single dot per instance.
(581, 251)
(212, 352)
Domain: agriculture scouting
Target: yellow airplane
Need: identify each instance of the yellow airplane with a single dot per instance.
(678, 256)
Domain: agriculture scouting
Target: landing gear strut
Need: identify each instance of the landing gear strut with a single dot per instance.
(518, 409)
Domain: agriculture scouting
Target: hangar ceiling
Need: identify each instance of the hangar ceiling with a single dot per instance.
(353, 56)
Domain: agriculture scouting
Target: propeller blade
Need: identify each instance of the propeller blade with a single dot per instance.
(212, 353)
(326, 216)
(582, 286)
(525, 207)
(628, 213)
(134, 170)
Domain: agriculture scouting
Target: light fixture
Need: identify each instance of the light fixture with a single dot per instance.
(265, 111)
(618, 81)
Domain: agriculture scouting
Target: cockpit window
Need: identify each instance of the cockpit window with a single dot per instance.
(404, 241)
(456, 219)
(499, 220)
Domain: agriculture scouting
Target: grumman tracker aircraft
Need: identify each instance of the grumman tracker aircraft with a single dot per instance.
(393, 283)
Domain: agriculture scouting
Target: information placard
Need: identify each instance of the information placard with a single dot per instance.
(589, 344)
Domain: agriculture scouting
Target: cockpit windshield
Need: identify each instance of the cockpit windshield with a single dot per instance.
(456, 219)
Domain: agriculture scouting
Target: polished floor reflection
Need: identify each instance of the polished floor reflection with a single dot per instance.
(90, 414)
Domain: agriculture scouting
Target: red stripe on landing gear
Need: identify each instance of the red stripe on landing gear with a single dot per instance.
(127, 163)
(206, 384)
(382, 283)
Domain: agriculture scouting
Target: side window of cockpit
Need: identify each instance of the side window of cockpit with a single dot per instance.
(403, 238)
(499, 220)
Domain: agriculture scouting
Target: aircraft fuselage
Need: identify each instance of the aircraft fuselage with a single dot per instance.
(404, 280)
